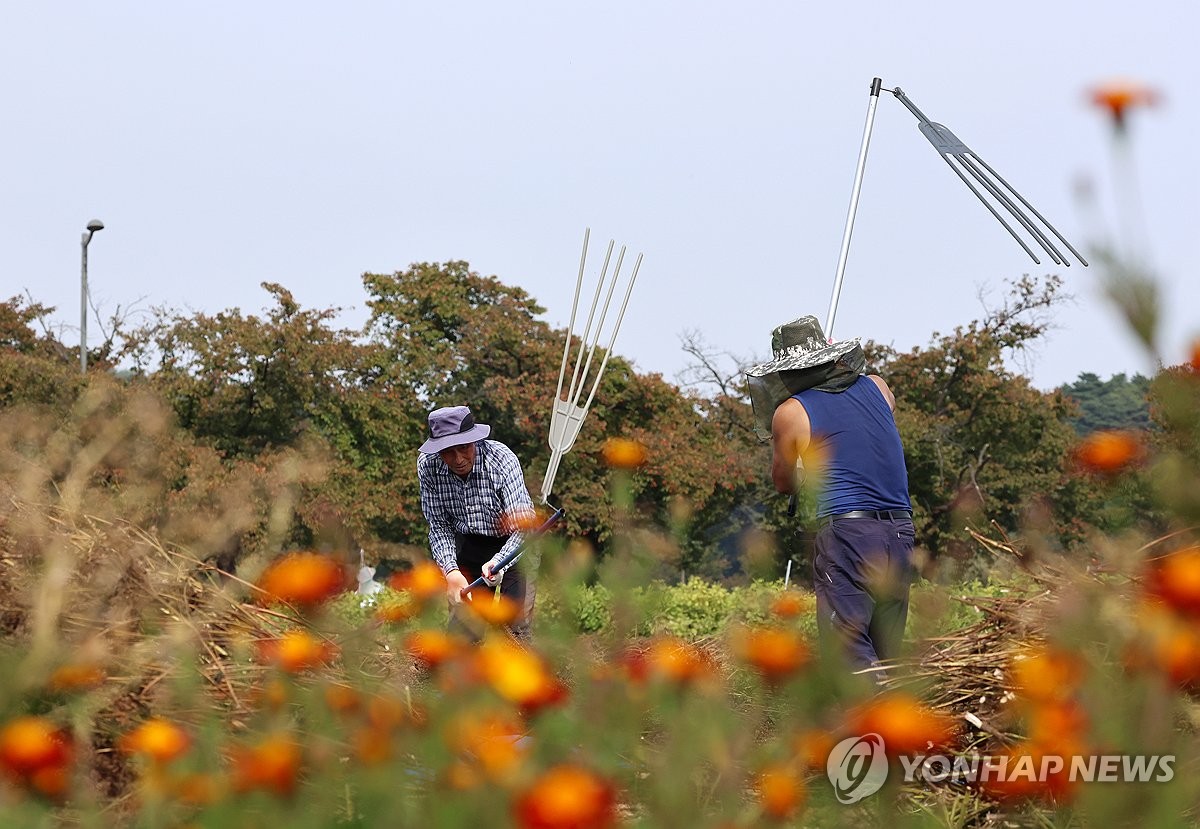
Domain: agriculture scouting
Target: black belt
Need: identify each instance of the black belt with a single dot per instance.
(881, 514)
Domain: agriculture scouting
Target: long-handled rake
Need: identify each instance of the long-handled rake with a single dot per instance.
(566, 416)
(972, 170)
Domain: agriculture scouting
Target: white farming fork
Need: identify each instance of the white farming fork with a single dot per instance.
(567, 414)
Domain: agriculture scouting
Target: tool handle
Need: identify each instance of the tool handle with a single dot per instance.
(515, 554)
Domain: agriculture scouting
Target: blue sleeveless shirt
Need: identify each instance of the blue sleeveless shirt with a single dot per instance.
(855, 434)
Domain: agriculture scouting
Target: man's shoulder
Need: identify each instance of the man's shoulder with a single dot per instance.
(498, 449)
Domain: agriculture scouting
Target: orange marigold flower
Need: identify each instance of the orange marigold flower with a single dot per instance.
(157, 739)
(197, 789)
(80, 677)
(272, 765)
(304, 579)
(1046, 674)
(567, 797)
(1175, 580)
(905, 724)
(1117, 96)
(812, 748)
(372, 746)
(775, 653)
(622, 453)
(1029, 771)
(781, 792)
(433, 647)
(521, 521)
(1196, 356)
(1173, 645)
(491, 739)
(1108, 452)
(342, 698)
(29, 745)
(397, 611)
(518, 675)
(296, 651)
(423, 582)
(790, 604)
(496, 610)
(386, 712)
(1060, 726)
(674, 660)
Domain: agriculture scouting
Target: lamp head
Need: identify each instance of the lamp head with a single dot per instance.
(94, 225)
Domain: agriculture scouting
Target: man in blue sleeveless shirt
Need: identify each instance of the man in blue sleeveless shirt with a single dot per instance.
(833, 425)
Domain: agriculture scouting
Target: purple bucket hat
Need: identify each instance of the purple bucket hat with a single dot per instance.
(452, 426)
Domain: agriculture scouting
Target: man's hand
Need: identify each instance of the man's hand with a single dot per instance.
(488, 568)
(456, 583)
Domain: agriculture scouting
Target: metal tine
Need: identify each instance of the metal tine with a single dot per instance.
(572, 395)
(613, 338)
(965, 160)
(599, 325)
(988, 205)
(950, 146)
(1032, 209)
(562, 371)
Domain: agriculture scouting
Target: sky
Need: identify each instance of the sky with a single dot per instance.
(227, 144)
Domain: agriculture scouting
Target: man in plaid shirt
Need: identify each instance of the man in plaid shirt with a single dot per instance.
(474, 497)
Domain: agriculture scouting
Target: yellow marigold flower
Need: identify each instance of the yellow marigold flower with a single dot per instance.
(781, 791)
(77, 677)
(622, 453)
(905, 724)
(567, 797)
(157, 739)
(423, 582)
(304, 579)
(1175, 580)
(1108, 452)
(296, 651)
(433, 647)
(518, 675)
(1046, 674)
(775, 653)
(1117, 96)
(271, 765)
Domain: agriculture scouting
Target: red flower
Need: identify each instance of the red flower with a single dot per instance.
(1175, 580)
(272, 765)
(37, 753)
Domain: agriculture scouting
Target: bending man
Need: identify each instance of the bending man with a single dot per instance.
(474, 497)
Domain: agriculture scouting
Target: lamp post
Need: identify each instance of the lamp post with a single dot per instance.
(92, 227)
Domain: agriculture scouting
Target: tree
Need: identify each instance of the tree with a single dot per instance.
(1116, 403)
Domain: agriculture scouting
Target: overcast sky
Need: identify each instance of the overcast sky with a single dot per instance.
(226, 144)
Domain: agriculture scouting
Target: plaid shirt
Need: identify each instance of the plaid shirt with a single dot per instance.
(492, 490)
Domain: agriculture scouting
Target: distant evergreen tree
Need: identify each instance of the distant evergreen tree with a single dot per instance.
(1117, 403)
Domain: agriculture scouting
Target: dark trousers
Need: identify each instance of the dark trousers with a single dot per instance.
(862, 573)
(474, 551)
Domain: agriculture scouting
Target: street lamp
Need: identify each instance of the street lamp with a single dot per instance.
(92, 227)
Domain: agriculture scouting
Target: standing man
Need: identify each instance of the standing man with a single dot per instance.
(474, 497)
(825, 410)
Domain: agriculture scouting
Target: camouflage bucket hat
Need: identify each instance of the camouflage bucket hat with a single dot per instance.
(803, 359)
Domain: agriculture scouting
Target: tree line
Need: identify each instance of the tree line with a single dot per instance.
(248, 391)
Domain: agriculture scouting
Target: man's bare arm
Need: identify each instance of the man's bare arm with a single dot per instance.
(789, 438)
